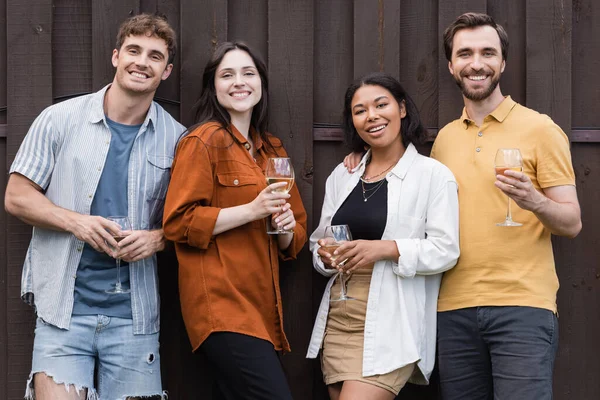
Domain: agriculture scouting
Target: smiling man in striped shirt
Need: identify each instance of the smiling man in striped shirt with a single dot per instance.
(104, 154)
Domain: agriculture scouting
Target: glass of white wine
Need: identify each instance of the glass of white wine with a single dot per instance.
(125, 225)
(334, 237)
(508, 159)
(279, 169)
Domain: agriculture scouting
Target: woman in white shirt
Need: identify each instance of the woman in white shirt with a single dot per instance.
(402, 209)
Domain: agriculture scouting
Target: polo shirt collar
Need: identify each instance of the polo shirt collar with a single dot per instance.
(499, 114)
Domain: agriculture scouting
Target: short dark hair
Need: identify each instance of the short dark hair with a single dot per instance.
(411, 128)
(149, 25)
(208, 107)
(473, 20)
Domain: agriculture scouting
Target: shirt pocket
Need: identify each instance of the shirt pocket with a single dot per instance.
(411, 227)
(154, 186)
(234, 189)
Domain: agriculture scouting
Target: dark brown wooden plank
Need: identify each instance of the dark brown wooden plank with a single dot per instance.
(511, 15)
(168, 95)
(203, 25)
(247, 21)
(450, 99)
(107, 16)
(4, 366)
(3, 130)
(72, 48)
(29, 90)
(586, 63)
(291, 33)
(376, 37)
(585, 135)
(333, 59)
(548, 36)
(419, 38)
(2, 63)
(334, 133)
(577, 364)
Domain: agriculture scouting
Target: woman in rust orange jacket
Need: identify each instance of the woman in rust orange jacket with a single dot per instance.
(216, 212)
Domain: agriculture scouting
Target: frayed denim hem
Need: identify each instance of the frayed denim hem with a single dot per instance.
(30, 391)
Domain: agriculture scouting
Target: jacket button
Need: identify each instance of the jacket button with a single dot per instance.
(247, 146)
(236, 182)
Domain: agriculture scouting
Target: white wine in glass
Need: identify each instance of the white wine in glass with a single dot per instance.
(508, 159)
(279, 169)
(335, 236)
(125, 225)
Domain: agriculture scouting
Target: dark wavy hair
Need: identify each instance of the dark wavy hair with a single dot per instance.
(150, 25)
(411, 128)
(472, 20)
(208, 108)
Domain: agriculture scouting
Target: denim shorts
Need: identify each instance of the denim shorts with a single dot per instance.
(101, 349)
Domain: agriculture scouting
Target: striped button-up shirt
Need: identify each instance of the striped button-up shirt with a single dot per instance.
(64, 152)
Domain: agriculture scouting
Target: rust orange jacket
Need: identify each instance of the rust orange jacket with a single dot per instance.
(228, 282)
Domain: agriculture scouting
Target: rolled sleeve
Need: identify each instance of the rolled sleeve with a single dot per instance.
(187, 216)
(438, 250)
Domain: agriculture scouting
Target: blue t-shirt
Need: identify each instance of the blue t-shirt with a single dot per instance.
(97, 271)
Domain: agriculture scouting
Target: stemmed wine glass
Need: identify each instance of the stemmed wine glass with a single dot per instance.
(508, 159)
(334, 237)
(279, 169)
(125, 225)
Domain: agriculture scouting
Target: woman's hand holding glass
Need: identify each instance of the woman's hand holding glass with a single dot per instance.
(271, 202)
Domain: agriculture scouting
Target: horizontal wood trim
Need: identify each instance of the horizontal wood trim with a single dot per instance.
(591, 135)
(3, 130)
(333, 133)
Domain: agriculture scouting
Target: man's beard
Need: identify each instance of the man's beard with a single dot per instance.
(477, 95)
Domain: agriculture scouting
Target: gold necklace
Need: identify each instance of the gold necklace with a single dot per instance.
(374, 189)
(370, 178)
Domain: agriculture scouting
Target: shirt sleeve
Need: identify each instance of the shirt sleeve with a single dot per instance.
(188, 216)
(36, 156)
(553, 158)
(326, 215)
(438, 251)
(300, 234)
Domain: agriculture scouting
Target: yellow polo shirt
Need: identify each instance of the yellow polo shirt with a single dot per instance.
(502, 266)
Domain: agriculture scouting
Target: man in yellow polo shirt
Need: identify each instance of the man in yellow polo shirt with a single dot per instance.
(497, 325)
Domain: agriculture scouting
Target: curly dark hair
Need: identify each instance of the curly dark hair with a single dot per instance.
(411, 128)
(151, 25)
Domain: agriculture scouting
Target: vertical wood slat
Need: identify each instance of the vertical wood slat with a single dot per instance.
(376, 37)
(450, 99)
(247, 22)
(107, 16)
(203, 26)
(291, 106)
(72, 48)
(511, 15)
(29, 90)
(3, 227)
(419, 40)
(585, 61)
(548, 36)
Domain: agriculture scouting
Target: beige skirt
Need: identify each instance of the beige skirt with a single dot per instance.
(342, 353)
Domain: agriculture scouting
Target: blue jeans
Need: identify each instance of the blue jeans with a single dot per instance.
(102, 348)
(499, 353)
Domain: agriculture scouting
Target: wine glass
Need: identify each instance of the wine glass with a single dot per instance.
(125, 225)
(279, 169)
(508, 159)
(334, 237)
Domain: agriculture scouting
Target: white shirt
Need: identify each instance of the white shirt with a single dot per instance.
(400, 325)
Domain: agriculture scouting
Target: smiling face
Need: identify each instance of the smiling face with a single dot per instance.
(141, 64)
(237, 83)
(477, 63)
(377, 116)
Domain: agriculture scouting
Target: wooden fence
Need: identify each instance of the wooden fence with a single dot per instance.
(51, 50)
